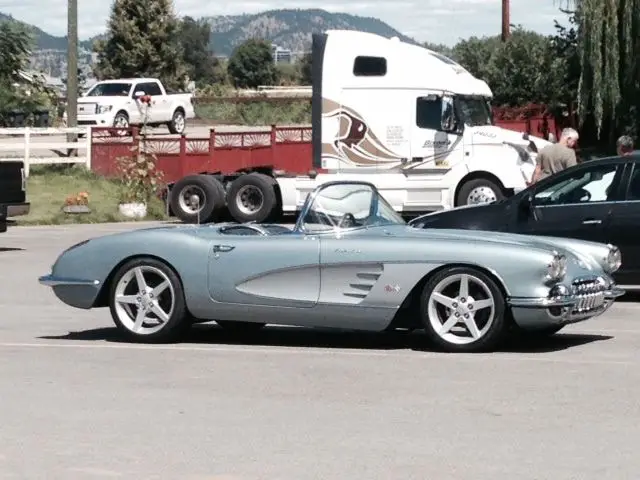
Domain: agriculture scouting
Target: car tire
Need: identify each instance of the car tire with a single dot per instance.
(253, 198)
(479, 311)
(482, 189)
(177, 125)
(240, 327)
(210, 193)
(154, 312)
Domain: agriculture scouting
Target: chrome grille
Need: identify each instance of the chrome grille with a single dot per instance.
(589, 293)
(86, 108)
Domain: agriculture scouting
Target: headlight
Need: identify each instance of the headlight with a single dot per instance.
(104, 108)
(557, 268)
(613, 260)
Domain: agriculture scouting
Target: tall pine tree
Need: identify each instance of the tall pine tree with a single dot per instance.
(143, 40)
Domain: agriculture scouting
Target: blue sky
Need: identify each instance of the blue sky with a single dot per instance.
(438, 21)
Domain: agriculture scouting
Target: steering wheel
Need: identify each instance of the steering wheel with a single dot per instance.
(347, 221)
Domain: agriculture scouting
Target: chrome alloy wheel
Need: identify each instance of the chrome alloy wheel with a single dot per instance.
(461, 309)
(144, 300)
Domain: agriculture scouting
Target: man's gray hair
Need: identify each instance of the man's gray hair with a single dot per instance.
(625, 142)
(569, 133)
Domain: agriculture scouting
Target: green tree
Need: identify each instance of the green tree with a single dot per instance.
(15, 48)
(522, 70)
(251, 64)
(609, 50)
(304, 69)
(142, 41)
(202, 65)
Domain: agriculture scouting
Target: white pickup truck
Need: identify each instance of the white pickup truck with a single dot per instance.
(115, 103)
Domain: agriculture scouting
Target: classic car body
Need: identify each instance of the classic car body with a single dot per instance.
(350, 262)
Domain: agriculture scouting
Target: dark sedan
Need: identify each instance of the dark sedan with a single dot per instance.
(597, 200)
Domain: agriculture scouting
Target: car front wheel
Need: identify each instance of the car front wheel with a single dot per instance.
(463, 310)
(147, 301)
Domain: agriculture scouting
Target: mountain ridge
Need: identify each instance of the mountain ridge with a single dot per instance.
(287, 28)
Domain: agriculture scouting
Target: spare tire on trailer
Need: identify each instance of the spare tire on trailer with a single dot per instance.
(209, 192)
(253, 198)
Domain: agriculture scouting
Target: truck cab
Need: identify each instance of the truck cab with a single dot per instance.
(415, 118)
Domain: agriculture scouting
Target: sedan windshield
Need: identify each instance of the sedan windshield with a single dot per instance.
(474, 111)
(110, 90)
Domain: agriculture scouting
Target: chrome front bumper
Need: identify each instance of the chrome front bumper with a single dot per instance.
(585, 298)
(53, 281)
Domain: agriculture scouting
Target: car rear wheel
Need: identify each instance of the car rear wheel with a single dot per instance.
(463, 310)
(147, 301)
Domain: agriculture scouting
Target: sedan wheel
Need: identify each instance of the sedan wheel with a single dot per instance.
(463, 310)
(147, 301)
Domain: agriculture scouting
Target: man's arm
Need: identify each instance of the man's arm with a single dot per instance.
(538, 171)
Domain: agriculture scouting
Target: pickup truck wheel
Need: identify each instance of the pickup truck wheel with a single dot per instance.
(478, 191)
(463, 310)
(252, 198)
(121, 124)
(197, 198)
(178, 123)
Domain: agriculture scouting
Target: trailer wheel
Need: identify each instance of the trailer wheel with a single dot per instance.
(197, 197)
(478, 191)
(252, 198)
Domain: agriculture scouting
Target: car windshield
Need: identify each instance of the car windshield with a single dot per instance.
(349, 205)
(474, 111)
(110, 90)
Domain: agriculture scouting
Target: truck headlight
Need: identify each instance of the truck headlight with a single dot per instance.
(104, 108)
(613, 260)
(557, 268)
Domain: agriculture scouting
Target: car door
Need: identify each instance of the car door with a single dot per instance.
(432, 146)
(279, 270)
(624, 228)
(158, 107)
(578, 203)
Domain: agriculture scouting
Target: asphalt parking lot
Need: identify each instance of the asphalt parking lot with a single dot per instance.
(75, 402)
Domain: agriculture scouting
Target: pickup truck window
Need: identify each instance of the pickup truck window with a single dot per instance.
(149, 88)
(110, 90)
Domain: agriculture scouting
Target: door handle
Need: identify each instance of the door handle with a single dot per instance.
(223, 248)
(591, 221)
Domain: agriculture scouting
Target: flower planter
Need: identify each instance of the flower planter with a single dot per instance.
(133, 210)
(76, 209)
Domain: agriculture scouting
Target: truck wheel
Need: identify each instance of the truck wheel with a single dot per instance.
(252, 198)
(121, 124)
(478, 191)
(197, 198)
(178, 123)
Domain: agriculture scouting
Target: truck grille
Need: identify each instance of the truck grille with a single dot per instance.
(589, 293)
(86, 108)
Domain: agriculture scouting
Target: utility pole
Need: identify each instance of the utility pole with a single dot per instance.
(72, 67)
(506, 20)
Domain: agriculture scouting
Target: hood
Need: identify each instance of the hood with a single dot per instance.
(581, 252)
(491, 134)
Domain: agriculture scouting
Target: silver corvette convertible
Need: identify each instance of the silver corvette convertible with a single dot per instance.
(350, 262)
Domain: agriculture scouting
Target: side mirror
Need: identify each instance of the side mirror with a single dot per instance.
(138, 94)
(527, 207)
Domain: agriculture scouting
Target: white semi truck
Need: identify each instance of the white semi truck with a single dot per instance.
(409, 120)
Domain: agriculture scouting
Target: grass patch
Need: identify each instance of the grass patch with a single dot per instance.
(290, 112)
(48, 186)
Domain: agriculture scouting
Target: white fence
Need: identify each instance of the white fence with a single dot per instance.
(45, 146)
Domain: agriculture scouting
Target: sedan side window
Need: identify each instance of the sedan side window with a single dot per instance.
(586, 186)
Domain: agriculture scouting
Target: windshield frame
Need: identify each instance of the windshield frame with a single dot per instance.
(378, 205)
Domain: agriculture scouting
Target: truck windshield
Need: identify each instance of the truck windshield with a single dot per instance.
(110, 90)
(474, 111)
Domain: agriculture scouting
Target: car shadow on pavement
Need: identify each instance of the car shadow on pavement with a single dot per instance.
(276, 336)
(11, 249)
